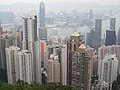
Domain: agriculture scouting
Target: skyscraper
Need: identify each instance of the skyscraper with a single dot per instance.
(11, 63)
(3, 72)
(94, 37)
(83, 58)
(98, 30)
(110, 50)
(108, 69)
(43, 52)
(72, 47)
(43, 33)
(19, 65)
(25, 34)
(37, 62)
(42, 14)
(29, 32)
(91, 14)
(112, 24)
(42, 28)
(110, 13)
(63, 64)
(110, 34)
(18, 39)
(24, 66)
(61, 51)
(78, 63)
(53, 69)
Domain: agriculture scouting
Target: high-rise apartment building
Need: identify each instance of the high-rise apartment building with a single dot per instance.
(29, 32)
(11, 63)
(24, 67)
(18, 39)
(53, 69)
(61, 52)
(108, 69)
(63, 64)
(25, 34)
(78, 63)
(37, 62)
(83, 68)
(19, 65)
(90, 52)
(110, 50)
(3, 68)
(72, 47)
(112, 24)
(32, 43)
(43, 53)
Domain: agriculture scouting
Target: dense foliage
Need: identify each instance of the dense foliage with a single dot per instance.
(3, 75)
(20, 85)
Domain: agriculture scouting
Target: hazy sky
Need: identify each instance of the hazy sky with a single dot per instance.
(103, 2)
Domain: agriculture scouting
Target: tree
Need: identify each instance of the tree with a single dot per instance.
(21, 85)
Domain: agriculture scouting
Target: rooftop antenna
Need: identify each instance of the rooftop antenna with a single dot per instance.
(74, 29)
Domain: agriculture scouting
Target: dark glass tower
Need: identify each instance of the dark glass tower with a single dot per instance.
(94, 37)
(98, 30)
(42, 14)
(110, 38)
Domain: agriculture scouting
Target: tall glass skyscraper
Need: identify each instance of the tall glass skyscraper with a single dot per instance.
(42, 14)
(42, 28)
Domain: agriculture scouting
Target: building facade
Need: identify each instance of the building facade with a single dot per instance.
(29, 32)
(78, 63)
(24, 66)
(108, 69)
(42, 14)
(11, 63)
(42, 28)
(110, 50)
(110, 34)
(112, 24)
(53, 69)
(94, 37)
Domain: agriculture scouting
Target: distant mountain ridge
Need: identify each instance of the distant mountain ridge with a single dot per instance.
(23, 7)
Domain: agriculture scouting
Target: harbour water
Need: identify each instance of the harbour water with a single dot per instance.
(66, 31)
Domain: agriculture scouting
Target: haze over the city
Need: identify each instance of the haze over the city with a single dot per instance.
(102, 2)
(59, 44)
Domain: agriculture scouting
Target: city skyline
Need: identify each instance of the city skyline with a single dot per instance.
(78, 48)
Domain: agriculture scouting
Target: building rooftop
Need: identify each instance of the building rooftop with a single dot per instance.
(14, 48)
(82, 46)
(75, 34)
